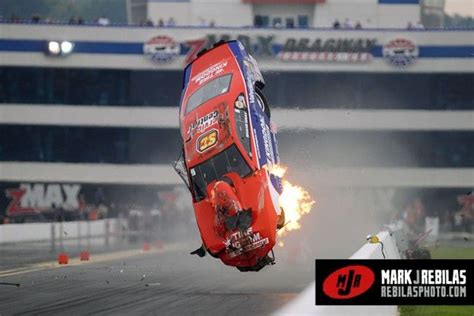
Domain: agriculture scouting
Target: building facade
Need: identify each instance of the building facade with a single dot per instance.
(106, 111)
(278, 13)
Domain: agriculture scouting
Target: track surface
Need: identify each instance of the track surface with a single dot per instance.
(170, 282)
(181, 284)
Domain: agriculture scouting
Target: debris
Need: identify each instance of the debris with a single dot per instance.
(143, 277)
(152, 284)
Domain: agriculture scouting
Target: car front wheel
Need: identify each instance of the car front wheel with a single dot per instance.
(262, 102)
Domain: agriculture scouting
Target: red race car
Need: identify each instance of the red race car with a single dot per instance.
(229, 147)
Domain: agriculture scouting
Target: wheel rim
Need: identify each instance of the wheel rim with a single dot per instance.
(260, 102)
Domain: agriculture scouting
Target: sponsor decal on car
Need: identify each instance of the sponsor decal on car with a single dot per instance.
(241, 242)
(211, 72)
(267, 142)
(240, 102)
(204, 122)
(250, 83)
(400, 52)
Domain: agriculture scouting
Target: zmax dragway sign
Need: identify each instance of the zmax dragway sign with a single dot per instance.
(332, 49)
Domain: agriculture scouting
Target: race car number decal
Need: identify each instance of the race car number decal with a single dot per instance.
(207, 140)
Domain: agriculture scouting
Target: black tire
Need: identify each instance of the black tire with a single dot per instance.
(263, 103)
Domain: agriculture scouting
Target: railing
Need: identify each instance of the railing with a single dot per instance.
(57, 233)
(115, 25)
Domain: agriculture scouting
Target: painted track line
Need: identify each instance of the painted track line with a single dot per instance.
(95, 258)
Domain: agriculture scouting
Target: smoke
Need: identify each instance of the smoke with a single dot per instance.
(344, 214)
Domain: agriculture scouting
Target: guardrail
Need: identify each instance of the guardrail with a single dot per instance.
(244, 27)
(58, 232)
(304, 304)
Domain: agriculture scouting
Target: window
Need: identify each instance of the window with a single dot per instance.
(77, 144)
(229, 160)
(212, 89)
(276, 22)
(290, 23)
(303, 21)
(36, 85)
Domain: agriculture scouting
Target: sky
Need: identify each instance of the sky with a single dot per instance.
(461, 7)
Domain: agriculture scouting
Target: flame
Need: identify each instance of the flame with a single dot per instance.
(295, 201)
(277, 170)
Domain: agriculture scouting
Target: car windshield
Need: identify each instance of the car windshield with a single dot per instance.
(210, 90)
(229, 160)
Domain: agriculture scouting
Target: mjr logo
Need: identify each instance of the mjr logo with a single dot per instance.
(348, 282)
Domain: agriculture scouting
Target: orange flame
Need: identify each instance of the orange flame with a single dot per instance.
(295, 201)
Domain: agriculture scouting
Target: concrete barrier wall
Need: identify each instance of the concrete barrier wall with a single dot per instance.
(374, 251)
(304, 304)
(12, 233)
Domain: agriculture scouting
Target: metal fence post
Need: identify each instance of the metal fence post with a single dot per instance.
(107, 232)
(79, 235)
(53, 238)
(88, 235)
(61, 237)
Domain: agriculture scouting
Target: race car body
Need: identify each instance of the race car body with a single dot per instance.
(229, 146)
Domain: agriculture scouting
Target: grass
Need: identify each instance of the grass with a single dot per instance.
(442, 310)
(452, 253)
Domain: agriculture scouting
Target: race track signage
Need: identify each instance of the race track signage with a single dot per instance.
(400, 52)
(328, 50)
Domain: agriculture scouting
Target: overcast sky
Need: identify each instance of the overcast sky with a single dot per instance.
(461, 7)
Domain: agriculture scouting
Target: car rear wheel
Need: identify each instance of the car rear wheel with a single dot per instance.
(262, 102)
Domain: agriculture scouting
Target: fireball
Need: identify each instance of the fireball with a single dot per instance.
(295, 201)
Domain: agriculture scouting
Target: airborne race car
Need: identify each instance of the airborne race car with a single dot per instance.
(229, 145)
